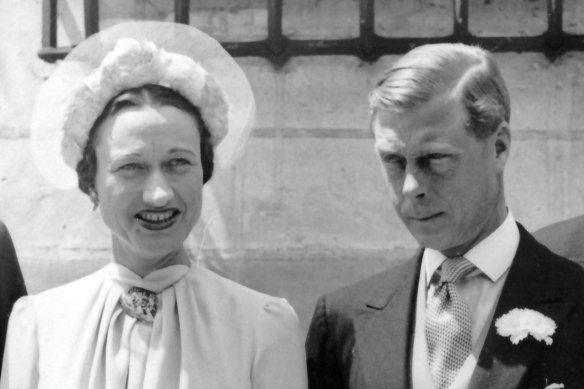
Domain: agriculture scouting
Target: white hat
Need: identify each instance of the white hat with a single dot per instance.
(130, 55)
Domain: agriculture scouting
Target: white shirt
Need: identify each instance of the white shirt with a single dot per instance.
(481, 290)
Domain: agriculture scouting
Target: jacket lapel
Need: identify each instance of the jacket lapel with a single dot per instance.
(502, 364)
(384, 331)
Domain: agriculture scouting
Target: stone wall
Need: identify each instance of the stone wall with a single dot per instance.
(305, 209)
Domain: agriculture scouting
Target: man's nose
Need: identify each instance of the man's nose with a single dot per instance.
(157, 191)
(412, 185)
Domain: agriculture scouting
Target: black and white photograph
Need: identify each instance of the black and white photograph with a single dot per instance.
(291, 194)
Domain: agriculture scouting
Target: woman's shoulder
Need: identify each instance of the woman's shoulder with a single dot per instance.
(237, 297)
(66, 296)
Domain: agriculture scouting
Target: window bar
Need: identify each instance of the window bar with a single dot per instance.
(49, 23)
(461, 19)
(49, 50)
(181, 11)
(91, 12)
(368, 46)
(277, 48)
(552, 43)
(553, 35)
(366, 27)
(275, 37)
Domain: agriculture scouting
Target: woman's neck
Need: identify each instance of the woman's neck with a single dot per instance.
(142, 264)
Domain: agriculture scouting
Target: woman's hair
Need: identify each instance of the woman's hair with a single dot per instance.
(137, 97)
(464, 72)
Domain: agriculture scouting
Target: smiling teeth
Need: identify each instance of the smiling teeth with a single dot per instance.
(158, 217)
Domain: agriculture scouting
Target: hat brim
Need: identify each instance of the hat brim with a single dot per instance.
(51, 101)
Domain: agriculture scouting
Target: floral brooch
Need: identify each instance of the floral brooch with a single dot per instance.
(140, 304)
(518, 323)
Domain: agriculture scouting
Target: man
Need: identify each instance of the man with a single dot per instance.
(11, 282)
(440, 118)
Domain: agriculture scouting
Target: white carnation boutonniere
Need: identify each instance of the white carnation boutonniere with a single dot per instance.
(518, 323)
(555, 386)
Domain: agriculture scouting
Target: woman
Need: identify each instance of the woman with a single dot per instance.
(141, 133)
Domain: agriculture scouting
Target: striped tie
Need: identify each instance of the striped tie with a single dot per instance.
(448, 325)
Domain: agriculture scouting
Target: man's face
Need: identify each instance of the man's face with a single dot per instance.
(446, 185)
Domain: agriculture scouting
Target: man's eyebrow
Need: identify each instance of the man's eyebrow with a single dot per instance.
(429, 137)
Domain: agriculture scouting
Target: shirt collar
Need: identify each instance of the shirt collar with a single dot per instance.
(492, 255)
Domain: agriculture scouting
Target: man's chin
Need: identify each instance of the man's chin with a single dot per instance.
(448, 247)
(435, 241)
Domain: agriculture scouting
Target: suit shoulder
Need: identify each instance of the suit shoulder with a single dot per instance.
(372, 287)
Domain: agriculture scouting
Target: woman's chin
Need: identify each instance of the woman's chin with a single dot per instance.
(151, 247)
(143, 259)
(159, 248)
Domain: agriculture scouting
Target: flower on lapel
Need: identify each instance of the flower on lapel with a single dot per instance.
(518, 323)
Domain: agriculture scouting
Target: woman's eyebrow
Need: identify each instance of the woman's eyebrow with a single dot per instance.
(119, 154)
(181, 150)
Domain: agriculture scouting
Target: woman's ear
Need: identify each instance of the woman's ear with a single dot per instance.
(94, 198)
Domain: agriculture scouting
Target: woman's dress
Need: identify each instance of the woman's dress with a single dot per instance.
(208, 332)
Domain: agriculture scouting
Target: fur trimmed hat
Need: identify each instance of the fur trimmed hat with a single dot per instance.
(130, 65)
(129, 55)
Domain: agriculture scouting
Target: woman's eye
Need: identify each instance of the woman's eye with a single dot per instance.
(130, 166)
(180, 162)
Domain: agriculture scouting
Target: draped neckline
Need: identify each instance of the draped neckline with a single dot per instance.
(156, 281)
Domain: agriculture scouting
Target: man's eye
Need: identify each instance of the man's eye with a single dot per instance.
(437, 156)
(437, 162)
(394, 164)
(394, 160)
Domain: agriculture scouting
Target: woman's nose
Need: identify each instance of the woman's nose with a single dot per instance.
(157, 191)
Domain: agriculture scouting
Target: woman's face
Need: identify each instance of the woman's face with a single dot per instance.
(149, 182)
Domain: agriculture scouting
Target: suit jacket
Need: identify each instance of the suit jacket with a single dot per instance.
(361, 336)
(11, 283)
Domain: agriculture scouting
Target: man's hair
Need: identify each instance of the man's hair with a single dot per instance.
(149, 94)
(467, 73)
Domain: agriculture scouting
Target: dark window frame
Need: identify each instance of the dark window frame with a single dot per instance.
(368, 46)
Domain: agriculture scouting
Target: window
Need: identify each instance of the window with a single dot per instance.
(363, 28)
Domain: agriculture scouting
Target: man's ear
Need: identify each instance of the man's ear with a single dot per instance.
(502, 139)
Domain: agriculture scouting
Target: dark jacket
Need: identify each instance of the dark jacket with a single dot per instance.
(361, 336)
(11, 283)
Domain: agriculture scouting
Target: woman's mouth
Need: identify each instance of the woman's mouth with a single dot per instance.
(157, 220)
